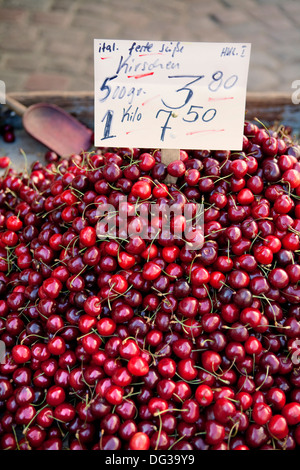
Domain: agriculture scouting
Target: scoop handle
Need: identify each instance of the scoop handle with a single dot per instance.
(15, 105)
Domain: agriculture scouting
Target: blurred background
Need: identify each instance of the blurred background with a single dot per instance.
(48, 44)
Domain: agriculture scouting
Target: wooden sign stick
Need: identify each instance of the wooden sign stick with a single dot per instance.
(168, 156)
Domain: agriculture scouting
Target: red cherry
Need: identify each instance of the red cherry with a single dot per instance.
(9, 136)
(278, 278)
(166, 367)
(223, 410)
(151, 271)
(141, 189)
(125, 260)
(245, 196)
(4, 162)
(204, 395)
(137, 366)
(92, 306)
(139, 441)
(186, 369)
(200, 276)
(273, 243)
(55, 395)
(52, 287)
(291, 412)
(21, 354)
(261, 413)
(157, 405)
(278, 427)
(211, 361)
(91, 343)
(292, 177)
(251, 316)
(65, 412)
(283, 204)
(239, 168)
(263, 255)
(129, 349)
(56, 346)
(88, 236)
(176, 168)
(114, 394)
(106, 326)
(14, 223)
(253, 346)
(217, 279)
(215, 432)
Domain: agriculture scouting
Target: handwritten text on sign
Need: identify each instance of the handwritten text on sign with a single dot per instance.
(154, 94)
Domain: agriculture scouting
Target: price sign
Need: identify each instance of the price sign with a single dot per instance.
(168, 95)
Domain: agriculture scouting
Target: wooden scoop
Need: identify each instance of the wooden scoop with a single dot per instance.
(53, 127)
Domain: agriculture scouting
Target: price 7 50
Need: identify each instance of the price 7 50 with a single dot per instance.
(192, 115)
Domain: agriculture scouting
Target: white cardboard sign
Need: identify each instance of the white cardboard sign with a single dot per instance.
(168, 94)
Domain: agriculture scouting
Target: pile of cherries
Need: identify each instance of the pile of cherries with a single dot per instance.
(125, 343)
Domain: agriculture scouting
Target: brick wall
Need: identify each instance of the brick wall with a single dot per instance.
(48, 44)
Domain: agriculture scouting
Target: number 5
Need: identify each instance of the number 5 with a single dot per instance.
(106, 88)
